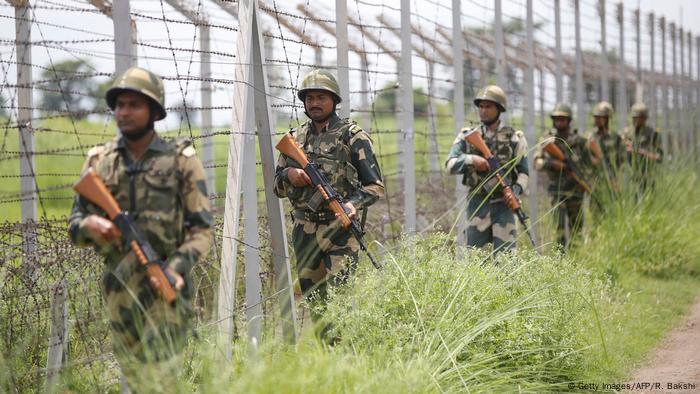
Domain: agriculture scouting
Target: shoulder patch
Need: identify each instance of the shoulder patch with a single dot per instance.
(188, 151)
(96, 150)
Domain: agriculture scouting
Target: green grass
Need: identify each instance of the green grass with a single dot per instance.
(441, 319)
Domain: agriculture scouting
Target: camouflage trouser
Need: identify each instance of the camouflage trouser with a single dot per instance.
(145, 329)
(569, 208)
(492, 222)
(326, 255)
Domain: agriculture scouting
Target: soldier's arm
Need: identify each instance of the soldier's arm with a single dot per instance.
(281, 183)
(79, 212)
(199, 221)
(368, 171)
(521, 168)
(458, 160)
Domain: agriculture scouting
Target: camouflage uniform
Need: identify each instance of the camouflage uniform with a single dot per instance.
(612, 149)
(326, 252)
(165, 193)
(564, 190)
(645, 138)
(490, 219)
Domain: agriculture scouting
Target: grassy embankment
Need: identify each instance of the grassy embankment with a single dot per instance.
(432, 322)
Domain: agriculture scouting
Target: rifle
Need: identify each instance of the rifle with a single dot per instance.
(573, 171)
(289, 147)
(91, 187)
(474, 138)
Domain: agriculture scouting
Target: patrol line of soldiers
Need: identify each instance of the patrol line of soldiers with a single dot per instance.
(598, 157)
(162, 185)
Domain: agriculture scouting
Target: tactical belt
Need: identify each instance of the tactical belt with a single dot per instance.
(320, 217)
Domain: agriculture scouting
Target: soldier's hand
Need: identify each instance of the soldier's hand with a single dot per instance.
(628, 146)
(510, 199)
(350, 209)
(481, 164)
(100, 230)
(177, 278)
(298, 178)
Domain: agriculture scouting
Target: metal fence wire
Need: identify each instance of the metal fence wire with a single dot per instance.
(408, 70)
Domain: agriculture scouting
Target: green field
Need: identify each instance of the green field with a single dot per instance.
(438, 318)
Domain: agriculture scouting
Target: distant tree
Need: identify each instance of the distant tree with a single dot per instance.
(386, 100)
(68, 89)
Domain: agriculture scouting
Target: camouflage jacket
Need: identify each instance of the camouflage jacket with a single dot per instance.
(612, 147)
(645, 138)
(574, 148)
(343, 152)
(164, 191)
(508, 145)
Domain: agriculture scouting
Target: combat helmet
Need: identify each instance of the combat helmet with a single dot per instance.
(603, 108)
(142, 81)
(640, 110)
(494, 94)
(562, 109)
(319, 80)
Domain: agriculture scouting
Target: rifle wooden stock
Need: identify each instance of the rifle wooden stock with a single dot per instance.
(289, 147)
(555, 152)
(94, 190)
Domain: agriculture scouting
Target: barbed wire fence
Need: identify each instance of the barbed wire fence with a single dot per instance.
(408, 70)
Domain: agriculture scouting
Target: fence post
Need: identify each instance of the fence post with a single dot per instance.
(124, 36)
(681, 93)
(652, 73)
(559, 75)
(697, 92)
(341, 33)
(278, 234)
(530, 115)
(622, 83)
(407, 116)
(58, 340)
(604, 77)
(207, 125)
(689, 96)
(639, 88)
(580, 108)
(226, 307)
(676, 112)
(500, 49)
(366, 119)
(28, 186)
(458, 105)
(666, 136)
(433, 147)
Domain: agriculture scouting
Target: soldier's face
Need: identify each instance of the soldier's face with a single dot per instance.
(488, 112)
(600, 122)
(639, 121)
(561, 123)
(132, 112)
(319, 104)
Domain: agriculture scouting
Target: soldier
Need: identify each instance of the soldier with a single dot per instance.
(161, 183)
(326, 253)
(566, 192)
(490, 211)
(605, 147)
(643, 145)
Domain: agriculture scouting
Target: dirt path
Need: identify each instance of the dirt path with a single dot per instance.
(675, 361)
